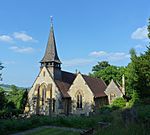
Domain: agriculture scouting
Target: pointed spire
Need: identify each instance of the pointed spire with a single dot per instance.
(51, 50)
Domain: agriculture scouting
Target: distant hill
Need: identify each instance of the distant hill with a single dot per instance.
(7, 87)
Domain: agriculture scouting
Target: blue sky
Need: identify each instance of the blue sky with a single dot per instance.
(86, 31)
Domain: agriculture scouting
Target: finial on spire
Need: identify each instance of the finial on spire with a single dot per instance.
(51, 20)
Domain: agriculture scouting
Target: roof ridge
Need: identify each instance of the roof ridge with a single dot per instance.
(99, 79)
(68, 72)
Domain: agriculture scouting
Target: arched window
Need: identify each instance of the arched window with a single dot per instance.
(79, 100)
(43, 73)
(43, 93)
(112, 96)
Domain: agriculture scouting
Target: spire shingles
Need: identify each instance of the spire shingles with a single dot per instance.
(51, 50)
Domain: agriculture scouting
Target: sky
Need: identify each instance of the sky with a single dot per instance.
(86, 31)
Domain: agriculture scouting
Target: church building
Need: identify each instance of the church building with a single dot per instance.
(55, 91)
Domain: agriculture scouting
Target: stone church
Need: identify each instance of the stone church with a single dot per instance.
(60, 92)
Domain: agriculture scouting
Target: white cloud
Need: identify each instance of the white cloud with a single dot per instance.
(117, 56)
(77, 62)
(23, 36)
(5, 38)
(22, 49)
(17, 35)
(98, 54)
(140, 33)
(139, 46)
(110, 56)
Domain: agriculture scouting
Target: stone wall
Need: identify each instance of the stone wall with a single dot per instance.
(79, 86)
(44, 79)
(113, 89)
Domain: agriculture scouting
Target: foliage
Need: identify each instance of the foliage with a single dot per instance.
(54, 131)
(100, 66)
(138, 74)
(12, 103)
(135, 99)
(2, 99)
(144, 116)
(16, 125)
(1, 67)
(8, 113)
(18, 97)
(119, 103)
(110, 72)
(148, 28)
(7, 87)
(144, 73)
(131, 74)
(23, 100)
(118, 126)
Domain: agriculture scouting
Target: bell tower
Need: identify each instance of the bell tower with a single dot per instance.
(51, 60)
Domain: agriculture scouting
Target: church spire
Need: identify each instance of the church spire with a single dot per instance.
(51, 56)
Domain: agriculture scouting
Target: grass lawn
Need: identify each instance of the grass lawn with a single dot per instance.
(54, 131)
(141, 126)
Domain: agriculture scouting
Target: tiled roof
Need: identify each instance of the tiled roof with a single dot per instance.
(63, 87)
(65, 83)
(97, 86)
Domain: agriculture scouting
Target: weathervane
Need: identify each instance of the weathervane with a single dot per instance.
(51, 20)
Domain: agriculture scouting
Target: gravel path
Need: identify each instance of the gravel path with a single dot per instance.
(44, 127)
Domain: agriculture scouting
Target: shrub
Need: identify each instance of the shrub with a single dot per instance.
(135, 98)
(15, 125)
(144, 116)
(105, 109)
(119, 103)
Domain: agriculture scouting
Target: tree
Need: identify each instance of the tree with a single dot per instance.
(24, 100)
(143, 73)
(148, 28)
(1, 67)
(134, 98)
(10, 106)
(132, 77)
(138, 72)
(100, 66)
(2, 99)
(15, 96)
(119, 103)
(108, 72)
